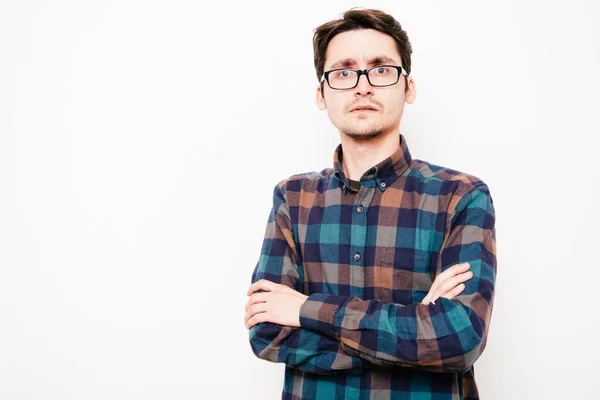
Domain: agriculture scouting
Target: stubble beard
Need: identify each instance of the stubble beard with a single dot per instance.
(355, 131)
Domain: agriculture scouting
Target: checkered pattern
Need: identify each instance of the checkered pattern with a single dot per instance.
(366, 259)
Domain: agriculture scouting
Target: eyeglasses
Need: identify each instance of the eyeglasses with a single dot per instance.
(343, 78)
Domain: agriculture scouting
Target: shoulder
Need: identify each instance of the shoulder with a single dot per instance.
(305, 181)
(458, 190)
(441, 180)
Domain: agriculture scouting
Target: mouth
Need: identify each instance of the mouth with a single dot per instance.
(363, 111)
(366, 109)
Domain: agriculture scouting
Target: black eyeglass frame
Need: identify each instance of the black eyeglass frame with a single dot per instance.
(360, 72)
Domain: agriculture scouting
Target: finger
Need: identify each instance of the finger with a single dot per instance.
(455, 292)
(433, 296)
(257, 319)
(255, 309)
(451, 283)
(262, 284)
(427, 299)
(257, 298)
(251, 312)
(444, 287)
(453, 270)
(258, 285)
(447, 274)
(454, 281)
(434, 287)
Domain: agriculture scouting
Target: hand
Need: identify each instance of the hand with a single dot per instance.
(449, 284)
(277, 303)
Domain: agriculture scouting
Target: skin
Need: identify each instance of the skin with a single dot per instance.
(367, 138)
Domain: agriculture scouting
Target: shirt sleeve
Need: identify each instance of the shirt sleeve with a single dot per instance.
(447, 336)
(296, 347)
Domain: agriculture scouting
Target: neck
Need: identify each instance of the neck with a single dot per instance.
(362, 154)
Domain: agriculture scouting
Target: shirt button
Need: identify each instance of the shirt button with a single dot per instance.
(383, 184)
(359, 209)
(357, 256)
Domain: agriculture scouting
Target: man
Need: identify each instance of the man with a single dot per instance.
(362, 287)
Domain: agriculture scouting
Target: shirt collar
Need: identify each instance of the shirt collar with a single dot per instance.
(384, 173)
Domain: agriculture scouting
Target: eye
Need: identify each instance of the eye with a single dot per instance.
(381, 70)
(344, 73)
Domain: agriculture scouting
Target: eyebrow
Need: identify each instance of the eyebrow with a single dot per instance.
(348, 62)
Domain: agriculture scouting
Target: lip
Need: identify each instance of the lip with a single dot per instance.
(364, 109)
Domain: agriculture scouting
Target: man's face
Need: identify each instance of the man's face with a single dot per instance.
(361, 49)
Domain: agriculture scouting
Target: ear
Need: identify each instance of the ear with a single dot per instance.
(411, 93)
(320, 99)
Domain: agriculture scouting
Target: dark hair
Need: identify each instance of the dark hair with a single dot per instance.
(355, 19)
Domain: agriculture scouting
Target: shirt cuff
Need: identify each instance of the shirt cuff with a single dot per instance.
(318, 313)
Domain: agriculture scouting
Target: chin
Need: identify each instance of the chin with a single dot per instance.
(363, 132)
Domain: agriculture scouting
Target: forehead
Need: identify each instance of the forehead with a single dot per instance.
(361, 46)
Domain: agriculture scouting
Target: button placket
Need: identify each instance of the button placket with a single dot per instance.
(358, 238)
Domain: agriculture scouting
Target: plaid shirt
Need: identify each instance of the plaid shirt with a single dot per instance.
(366, 259)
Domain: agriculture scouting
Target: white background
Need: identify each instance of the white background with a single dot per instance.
(140, 142)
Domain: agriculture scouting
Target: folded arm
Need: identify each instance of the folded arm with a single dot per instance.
(296, 347)
(444, 337)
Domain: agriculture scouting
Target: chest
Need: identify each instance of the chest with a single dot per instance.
(372, 245)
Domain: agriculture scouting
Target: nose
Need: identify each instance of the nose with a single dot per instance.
(363, 88)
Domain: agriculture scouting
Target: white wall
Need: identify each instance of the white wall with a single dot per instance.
(136, 183)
